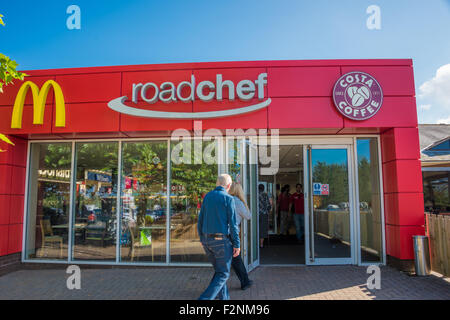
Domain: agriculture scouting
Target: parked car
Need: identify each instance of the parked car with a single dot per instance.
(333, 207)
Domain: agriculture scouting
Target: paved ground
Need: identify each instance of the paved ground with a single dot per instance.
(327, 282)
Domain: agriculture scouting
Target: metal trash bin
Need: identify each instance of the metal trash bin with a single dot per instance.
(421, 255)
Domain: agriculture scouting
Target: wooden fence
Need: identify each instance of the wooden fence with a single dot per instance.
(438, 227)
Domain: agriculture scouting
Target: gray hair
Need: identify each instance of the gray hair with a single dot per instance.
(224, 180)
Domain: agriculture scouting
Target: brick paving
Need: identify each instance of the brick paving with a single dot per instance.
(312, 282)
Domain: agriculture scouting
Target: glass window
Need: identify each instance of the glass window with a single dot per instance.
(436, 191)
(443, 146)
(369, 200)
(332, 216)
(144, 201)
(94, 229)
(235, 159)
(48, 201)
(191, 180)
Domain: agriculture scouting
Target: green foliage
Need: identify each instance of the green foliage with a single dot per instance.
(8, 73)
(336, 176)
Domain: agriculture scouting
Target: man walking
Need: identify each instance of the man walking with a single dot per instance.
(219, 235)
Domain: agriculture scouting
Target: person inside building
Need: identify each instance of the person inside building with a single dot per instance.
(283, 205)
(264, 209)
(297, 203)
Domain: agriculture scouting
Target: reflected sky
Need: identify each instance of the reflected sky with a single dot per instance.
(330, 156)
(363, 148)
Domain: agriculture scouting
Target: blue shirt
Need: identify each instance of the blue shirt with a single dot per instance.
(218, 215)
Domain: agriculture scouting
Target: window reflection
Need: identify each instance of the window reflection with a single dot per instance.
(436, 191)
(190, 182)
(369, 200)
(331, 203)
(94, 229)
(49, 201)
(144, 201)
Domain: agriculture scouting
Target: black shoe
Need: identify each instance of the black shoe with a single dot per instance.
(248, 285)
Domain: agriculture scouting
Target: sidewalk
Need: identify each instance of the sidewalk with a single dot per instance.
(318, 282)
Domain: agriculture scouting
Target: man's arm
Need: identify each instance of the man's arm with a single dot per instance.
(200, 218)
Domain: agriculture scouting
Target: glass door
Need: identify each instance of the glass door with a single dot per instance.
(329, 218)
(251, 170)
(242, 166)
(235, 152)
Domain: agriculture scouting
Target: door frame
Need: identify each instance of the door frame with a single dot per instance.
(254, 236)
(247, 240)
(309, 223)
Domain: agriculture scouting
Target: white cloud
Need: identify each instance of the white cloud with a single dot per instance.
(437, 89)
(445, 121)
(425, 107)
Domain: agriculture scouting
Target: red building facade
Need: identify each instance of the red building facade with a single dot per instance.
(301, 94)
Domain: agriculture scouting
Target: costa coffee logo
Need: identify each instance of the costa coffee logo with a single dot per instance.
(357, 95)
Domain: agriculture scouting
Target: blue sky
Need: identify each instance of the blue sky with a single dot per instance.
(145, 32)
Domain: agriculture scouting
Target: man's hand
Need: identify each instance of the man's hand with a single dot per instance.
(236, 252)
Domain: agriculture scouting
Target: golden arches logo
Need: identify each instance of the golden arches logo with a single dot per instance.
(39, 100)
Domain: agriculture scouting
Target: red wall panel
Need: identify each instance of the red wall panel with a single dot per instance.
(14, 154)
(4, 237)
(89, 117)
(395, 112)
(15, 238)
(27, 121)
(90, 87)
(399, 241)
(19, 150)
(18, 180)
(257, 119)
(394, 80)
(405, 209)
(6, 157)
(5, 179)
(5, 201)
(303, 113)
(400, 143)
(16, 211)
(402, 176)
(302, 82)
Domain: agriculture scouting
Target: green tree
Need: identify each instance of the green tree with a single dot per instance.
(8, 73)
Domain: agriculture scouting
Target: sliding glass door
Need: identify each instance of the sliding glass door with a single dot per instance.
(329, 222)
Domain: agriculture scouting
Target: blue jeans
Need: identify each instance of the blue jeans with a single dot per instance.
(299, 220)
(220, 253)
(241, 272)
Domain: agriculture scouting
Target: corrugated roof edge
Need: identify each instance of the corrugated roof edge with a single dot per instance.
(223, 64)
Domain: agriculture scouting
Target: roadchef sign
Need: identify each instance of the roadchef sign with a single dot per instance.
(206, 91)
(357, 95)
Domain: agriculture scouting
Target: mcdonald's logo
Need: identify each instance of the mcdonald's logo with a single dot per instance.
(39, 100)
